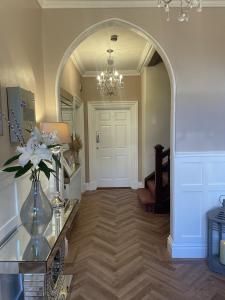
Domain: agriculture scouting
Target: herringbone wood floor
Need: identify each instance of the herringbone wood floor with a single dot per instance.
(117, 251)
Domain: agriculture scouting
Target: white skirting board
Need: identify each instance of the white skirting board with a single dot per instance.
(92, 186)
(186, 250)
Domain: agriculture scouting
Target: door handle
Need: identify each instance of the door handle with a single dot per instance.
(97, 137)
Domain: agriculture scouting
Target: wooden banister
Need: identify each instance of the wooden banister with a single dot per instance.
(158, 169)
(162, 164)
(158, 183)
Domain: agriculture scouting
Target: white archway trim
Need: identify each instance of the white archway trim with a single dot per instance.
(140, 31)
(100, 105)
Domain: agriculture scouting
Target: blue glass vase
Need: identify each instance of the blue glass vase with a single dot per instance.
(36, 212)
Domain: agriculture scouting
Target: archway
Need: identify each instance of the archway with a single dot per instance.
(119, 22)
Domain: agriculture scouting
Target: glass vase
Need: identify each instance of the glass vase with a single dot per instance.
(36, 212)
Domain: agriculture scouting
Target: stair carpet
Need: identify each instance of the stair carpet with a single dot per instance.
(146, 196)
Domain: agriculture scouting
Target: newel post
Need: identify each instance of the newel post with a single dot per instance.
(158, 168)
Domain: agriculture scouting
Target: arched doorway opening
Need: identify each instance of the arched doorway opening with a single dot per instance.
(139, 31)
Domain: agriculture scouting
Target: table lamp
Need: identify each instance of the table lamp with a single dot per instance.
(63, 134)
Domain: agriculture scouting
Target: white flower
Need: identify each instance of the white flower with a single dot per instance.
(43, 152)
(36, 134)
(34, 152)
(25, 157)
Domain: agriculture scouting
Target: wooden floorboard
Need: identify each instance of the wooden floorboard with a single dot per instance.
(117, 251)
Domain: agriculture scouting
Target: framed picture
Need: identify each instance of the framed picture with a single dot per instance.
(1, 118)
(21, 107)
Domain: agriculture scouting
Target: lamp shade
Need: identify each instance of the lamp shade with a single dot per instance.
(62, 130)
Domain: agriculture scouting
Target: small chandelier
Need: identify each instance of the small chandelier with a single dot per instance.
(109, 81)
(185, 7)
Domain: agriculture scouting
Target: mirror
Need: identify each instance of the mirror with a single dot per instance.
(67, 109)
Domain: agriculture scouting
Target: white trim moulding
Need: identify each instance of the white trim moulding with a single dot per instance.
(123, 72)
(115, 4)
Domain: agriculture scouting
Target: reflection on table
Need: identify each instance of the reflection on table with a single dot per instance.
(20, 250)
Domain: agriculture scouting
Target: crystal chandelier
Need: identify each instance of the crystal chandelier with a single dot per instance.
(109, 81)
(185, 7)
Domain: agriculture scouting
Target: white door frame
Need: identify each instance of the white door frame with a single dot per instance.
(79, 128)
(101, 105)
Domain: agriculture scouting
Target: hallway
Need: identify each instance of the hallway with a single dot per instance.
(117, 251)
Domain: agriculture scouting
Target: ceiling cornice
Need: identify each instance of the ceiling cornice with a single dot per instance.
(115, 3)
(147, 54)
(84, 73)
(124, 72)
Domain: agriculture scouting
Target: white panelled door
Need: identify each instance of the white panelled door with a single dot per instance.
(113, 148)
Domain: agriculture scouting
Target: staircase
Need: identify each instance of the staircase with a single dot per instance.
(155, 196)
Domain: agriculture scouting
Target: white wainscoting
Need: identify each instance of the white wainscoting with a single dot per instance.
(13, 192)
(199, 182)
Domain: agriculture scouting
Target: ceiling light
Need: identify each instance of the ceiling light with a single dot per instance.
(110, 80)
(185, 8)
(114, 38)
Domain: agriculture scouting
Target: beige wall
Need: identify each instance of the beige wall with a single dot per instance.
(156, 102)
(71, 82)
(21, 61)
(196, 51)
(130, 92)
(70, 79)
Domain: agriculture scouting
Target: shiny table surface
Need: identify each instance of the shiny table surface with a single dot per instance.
(22, 254)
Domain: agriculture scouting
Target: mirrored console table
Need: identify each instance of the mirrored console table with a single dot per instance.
(39, 261)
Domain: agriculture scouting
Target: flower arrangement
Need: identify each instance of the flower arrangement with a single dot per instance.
(34, 155)
(77, 143)
(76, 146)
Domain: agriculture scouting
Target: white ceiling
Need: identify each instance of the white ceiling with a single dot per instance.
(115, 3)
(131, 51)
